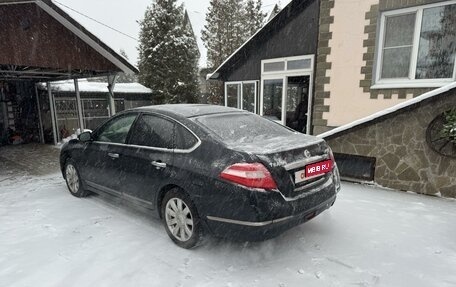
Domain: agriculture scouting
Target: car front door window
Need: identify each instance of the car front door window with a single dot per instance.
(116, 131)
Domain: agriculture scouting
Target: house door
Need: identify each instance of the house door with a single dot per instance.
(297, 103)
(286, 100)
(286, 91)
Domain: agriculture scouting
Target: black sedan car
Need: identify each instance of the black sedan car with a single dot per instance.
(205, 169)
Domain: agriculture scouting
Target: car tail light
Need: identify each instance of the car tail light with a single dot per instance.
(254, 175)
(331, 156)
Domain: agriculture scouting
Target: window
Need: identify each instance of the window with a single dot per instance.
(153, 131)
(289, 64)
(184, 138)
(241, 95)
(417, 47)
(233, 95)
(116, 130)
(249, 97)
(274, 67)
(243, 128)
(299, 64)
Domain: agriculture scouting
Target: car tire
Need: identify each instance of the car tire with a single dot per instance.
(181, 219)
(73, 180)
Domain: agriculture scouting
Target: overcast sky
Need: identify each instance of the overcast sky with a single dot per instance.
(124, 14)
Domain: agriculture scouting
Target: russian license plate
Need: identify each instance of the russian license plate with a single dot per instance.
(313, 170)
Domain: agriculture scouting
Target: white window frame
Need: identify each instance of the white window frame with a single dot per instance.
(241, 102)
(409, 82)
(284, 75)
(285, 60)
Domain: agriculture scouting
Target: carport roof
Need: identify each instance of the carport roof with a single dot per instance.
(41, 42)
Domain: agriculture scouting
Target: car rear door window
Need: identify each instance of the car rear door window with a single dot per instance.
(184, 138)
(153, 131)
(116, 130)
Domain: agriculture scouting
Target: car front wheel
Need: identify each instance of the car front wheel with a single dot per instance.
(181, 219)
(73, 180)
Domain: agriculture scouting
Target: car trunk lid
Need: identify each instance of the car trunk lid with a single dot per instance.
(285, 156)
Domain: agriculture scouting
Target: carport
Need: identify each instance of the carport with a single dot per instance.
(39, 43)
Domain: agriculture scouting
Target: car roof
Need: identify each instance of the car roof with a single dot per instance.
(189, 110)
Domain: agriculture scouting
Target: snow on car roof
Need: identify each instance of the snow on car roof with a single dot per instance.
(192, 110)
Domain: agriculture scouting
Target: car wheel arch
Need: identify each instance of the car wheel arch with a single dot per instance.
(65, 157)
(161, 194)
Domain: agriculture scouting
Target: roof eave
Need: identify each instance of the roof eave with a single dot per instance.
(217, 71)
(66, 20)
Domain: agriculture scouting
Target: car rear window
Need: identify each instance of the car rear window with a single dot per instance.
(243, 127)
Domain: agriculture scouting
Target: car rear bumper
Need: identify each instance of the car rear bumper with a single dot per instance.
(263, 230)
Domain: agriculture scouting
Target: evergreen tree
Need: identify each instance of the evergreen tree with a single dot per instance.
(275, 11)
(229, 23)
(168, 56)
(254, 17)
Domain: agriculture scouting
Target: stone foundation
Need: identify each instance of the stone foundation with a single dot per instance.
(398, 142)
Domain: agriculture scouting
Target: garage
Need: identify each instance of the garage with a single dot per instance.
(41, 44)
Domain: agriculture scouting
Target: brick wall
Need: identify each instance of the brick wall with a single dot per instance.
(323, 65)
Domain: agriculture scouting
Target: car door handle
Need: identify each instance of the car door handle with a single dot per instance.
(113, 155)
(158, 164)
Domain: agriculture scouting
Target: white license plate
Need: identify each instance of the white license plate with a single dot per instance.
(300, 176)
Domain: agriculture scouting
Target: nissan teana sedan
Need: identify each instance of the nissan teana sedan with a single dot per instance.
(205, 170)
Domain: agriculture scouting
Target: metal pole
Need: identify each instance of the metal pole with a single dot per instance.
(78, 100)
(111, 84)
(53, 115)
(39, 114)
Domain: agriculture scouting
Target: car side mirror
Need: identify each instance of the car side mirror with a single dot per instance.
(85, 137)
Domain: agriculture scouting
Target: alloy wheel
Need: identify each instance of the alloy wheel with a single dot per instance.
(179, 219)
(72, 178)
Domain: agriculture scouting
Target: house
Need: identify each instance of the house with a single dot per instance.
(42, 43)
(312, 52)
(346, 61)
(384, 53)
(275, 68)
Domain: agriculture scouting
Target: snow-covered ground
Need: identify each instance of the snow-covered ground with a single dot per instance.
(371, 237)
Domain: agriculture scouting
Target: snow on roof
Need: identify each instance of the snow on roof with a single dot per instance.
(99, 87)
(391, 110)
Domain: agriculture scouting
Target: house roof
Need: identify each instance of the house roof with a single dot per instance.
(97, 87)
(293, 8)
(64, 48)
(387, 112)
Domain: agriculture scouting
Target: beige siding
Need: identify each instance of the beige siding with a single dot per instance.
(348, 101)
